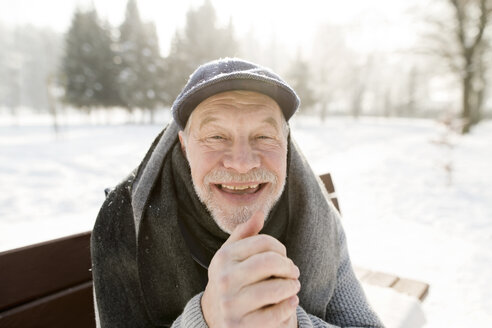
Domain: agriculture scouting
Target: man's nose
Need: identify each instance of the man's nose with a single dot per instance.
(241, 157)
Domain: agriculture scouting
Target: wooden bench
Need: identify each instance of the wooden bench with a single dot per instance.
(407, 286)
(50, 284)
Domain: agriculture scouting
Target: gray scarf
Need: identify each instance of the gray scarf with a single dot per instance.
(163, 198)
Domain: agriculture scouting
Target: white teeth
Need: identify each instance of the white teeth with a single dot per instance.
(239, 187)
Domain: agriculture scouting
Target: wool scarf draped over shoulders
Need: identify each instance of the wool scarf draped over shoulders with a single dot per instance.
(145, 271)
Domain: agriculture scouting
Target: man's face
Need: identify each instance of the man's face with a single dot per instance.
(236, 145)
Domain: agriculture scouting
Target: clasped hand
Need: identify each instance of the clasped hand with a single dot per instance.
(251, 281)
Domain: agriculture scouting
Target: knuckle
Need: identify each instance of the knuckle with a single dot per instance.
(263, 261)
(284, 249)
(279, 245)
(283, 312)
(272, 316)
(262, 241)
(222, 255)
(269, 242)
(276, 315)
(266, 240)
(262, 258)
(293, 285)
(271, 260)
(283, 288)
(224, 281)
(227, 305)
(231, 322)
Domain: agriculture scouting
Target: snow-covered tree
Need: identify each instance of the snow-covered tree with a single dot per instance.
(141, 69)
(200, 41)
(300, 77)
(88, 69)
(28, 55)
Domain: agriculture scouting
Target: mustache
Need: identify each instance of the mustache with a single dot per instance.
(260, 175)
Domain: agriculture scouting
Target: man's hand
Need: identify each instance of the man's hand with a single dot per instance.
(252, 282)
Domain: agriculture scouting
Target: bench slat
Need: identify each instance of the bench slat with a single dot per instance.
(330, 187)
(72, 307)
(380, 279)
(412, 287)
(38, 270)
(361, 273)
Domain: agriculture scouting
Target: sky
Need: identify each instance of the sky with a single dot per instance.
(386, 23)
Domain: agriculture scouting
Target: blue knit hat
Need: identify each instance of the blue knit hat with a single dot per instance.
(232, 74)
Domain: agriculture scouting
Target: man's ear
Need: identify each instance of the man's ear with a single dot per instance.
(182, 142)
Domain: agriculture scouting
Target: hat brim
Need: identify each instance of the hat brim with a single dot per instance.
(285, 98)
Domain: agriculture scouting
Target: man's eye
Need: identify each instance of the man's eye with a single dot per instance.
(217, 138)
(263, 137)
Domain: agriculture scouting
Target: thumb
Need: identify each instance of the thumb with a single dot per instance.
(249, 228)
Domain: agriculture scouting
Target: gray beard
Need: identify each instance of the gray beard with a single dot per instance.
(227, 219)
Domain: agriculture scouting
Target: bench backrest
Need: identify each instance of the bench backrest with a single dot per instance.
(47, 284)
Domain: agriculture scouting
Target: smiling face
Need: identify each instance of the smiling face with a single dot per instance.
(236, 145)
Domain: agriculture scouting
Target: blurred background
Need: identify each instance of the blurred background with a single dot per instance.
(395, 104)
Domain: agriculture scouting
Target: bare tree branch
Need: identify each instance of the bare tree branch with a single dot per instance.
(461, 43)
(460, 28)
(484, 15)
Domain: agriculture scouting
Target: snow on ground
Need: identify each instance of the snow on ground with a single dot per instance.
(400, 213)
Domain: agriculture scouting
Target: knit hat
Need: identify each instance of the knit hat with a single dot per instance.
(232, 74)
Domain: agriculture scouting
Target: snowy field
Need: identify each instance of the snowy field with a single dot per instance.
(402, 212)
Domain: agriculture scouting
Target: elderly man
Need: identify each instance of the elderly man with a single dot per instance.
(224, 224)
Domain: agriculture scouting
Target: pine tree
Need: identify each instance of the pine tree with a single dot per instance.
(28, 55)
(11, 60)
(141, 68)
(299, 77)
(200, 41)
(88, 70)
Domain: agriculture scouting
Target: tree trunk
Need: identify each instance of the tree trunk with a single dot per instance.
(466, 106)
(322, 113)
(357, 101)
(477, 111)
(479, 86)
(387, 103)
(51, 103)
(152, 115)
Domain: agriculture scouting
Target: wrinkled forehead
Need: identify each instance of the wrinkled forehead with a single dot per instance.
(235, 103)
